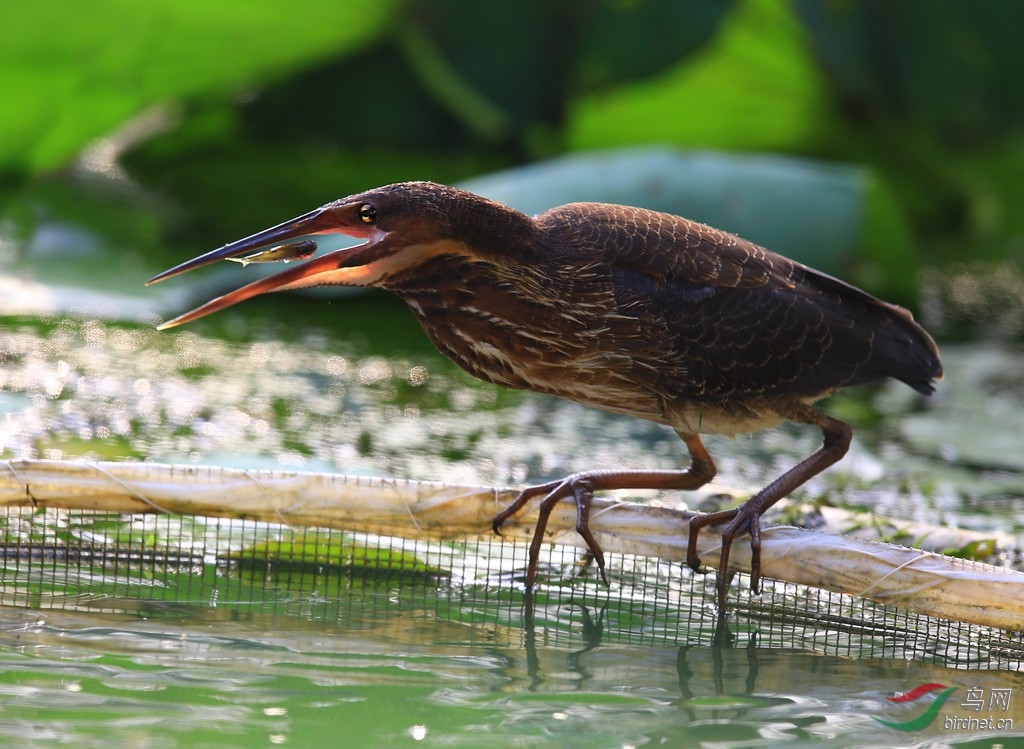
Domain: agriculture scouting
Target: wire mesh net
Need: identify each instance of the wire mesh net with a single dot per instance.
(149, 564)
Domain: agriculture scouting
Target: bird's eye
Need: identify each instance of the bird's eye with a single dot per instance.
(367, 213)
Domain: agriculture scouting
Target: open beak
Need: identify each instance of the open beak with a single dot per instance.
(351, 266)
(320, 221)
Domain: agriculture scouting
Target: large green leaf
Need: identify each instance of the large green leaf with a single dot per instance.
(755, 86)
(954, 67)
(72, 72)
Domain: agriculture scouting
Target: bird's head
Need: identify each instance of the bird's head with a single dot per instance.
(403, 224)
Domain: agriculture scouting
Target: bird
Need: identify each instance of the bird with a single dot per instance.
(620, 308)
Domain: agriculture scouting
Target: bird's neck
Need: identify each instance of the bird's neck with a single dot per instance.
(494, 232)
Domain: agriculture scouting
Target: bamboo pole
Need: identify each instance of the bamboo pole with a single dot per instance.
(921, 581)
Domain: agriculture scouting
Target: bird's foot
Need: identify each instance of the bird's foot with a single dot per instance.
(580, 487)
(743, 519)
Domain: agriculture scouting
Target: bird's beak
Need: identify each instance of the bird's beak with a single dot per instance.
(351, 266)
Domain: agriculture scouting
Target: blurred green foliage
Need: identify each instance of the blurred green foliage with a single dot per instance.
(241, 114)
(71, 73)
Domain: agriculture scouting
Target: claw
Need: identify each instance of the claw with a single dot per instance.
(517, 504)
(743, 519)
(581, 489)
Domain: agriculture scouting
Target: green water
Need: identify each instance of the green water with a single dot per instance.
(402, 667)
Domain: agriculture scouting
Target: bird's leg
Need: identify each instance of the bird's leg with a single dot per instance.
(746, 517)
(581, 487)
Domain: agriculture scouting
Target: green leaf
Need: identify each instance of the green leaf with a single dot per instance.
(953, 67)
(755, 86)
(71, 73)
(977, 551)
(316, 552)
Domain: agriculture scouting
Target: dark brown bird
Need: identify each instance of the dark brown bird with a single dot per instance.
(623, 309)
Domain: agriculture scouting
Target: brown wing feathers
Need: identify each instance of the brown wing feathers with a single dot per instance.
(739, 319)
